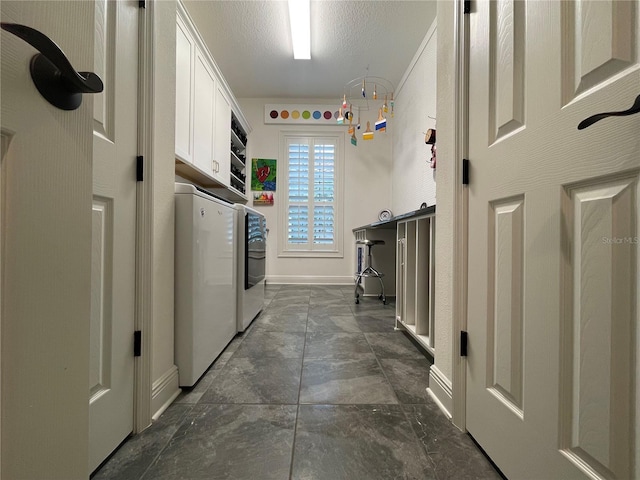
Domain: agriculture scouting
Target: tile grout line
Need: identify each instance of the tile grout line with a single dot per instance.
(421, 445)
(189, 409)
(382, 369)
(168, 442)
(404, 412)
(295, 426)
(190, 406)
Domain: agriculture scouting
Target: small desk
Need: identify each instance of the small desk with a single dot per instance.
(407, 260)
(392, 222)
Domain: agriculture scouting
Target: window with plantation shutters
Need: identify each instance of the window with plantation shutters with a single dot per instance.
(311, 207)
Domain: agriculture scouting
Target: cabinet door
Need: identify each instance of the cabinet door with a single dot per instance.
(185, 56)
(222, 138)
(203, 108)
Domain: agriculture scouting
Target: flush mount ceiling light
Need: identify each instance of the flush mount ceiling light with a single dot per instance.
(300, 21)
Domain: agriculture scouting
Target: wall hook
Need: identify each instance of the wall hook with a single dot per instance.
(52, 73)
(430, 136)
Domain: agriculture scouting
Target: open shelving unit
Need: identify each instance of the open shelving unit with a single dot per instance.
(415, 269)
(238, 172)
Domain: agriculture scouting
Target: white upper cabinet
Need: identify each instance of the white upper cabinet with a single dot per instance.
(203, 115)
(204, 110)
(185, 60)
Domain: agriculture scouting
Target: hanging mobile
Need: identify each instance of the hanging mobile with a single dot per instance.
(358, 124)
(392, 104)
(375, 91)
(385, 109)
(368, 134)
(363, 89)
(344, 101)
(348, 115)
(381, 123)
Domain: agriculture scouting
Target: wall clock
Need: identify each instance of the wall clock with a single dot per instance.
(384, 215)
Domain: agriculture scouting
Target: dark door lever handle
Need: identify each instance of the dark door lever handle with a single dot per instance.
(52, 73)
(587, 122)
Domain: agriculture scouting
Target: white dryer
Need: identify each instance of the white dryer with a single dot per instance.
(252, 258)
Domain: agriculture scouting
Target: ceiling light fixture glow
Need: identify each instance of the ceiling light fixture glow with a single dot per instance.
(300, 21)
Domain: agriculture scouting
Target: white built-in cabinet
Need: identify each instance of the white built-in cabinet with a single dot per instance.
(204, 88)
(185, 65)
(415, 268)
(204, 110)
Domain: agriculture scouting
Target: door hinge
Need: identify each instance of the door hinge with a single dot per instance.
(464, 340)
(137, 343)
(142, 4)
(139, 168)
(466, 6)
(465, 171)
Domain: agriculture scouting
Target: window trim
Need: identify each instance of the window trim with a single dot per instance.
(284, 248)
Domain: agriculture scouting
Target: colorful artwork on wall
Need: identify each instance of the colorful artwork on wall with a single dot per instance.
(263, 198)
(301, 114)
(263, 174)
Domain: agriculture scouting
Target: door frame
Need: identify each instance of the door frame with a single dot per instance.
(4, 145)
(143, 318)
(461, 211)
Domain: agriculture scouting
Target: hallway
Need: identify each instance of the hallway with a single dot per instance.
(317, 388)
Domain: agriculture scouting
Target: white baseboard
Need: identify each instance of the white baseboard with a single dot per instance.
(309, 280)
(164, 391)
(440, 390)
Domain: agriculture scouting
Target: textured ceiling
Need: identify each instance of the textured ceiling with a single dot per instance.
(251, 43)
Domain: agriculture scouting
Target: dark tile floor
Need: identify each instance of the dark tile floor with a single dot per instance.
(317, 388)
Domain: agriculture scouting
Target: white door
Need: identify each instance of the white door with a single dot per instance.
(46, 251)
(114, 228)
(552, 376)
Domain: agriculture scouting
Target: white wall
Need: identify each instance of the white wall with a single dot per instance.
(164, 373)
(415, 101)
(428, 85)
(444, 288)
(367, 190)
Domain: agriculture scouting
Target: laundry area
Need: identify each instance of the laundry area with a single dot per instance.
(304, 239)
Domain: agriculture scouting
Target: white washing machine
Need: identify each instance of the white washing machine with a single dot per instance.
(252, 258)
(205, 280)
